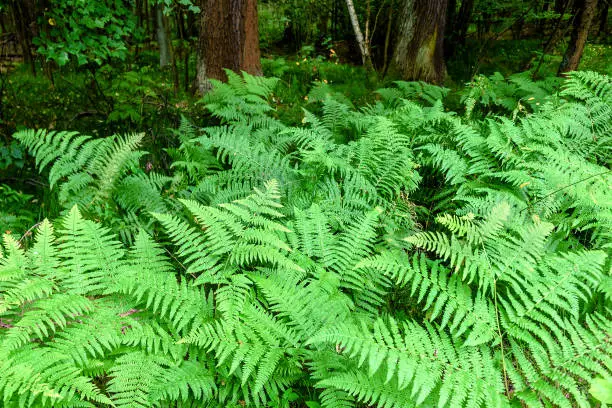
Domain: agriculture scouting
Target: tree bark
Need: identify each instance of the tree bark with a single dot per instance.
(364, 47)
(163, 39)
(419, 50)
(228, 38)
(582, 24)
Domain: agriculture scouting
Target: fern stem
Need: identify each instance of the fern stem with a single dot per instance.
(29, 231)
(569, 185)
(501, 339)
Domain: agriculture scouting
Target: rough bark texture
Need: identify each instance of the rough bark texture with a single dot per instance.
(228, 38)
(582, 24)
(419, 50)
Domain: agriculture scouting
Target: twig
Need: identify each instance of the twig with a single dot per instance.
(564, 187)
(179, 262)
(28, 232)
(5, 325)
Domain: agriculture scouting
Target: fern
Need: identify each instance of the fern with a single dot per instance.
(395, 255)
(416, 359)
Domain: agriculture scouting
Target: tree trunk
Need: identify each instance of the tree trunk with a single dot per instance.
(163, 39)
(419, 50)
(557, 34)
(147, 14)
(457, 25)
(228, 38)
(184, 48)
(603, 18)
(582, 23)
(23, 16)
(387, 41)
(362, 42)
(463, 20)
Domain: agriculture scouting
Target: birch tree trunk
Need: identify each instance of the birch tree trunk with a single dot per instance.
(364, 46)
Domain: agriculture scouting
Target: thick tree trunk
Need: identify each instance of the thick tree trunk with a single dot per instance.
(419, 50)
(228, 38)
(582, 24)
(163, 39)
(364, 46)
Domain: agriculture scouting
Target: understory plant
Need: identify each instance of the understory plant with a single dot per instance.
(397, 255)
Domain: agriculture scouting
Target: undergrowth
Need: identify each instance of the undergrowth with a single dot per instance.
(395, 255)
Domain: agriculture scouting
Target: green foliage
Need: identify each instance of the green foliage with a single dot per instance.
(517, 94)
(100, 175)
(397, 255)
(85, 31)
(11, 154)
(15, 214)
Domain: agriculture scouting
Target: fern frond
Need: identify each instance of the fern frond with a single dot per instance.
(414, 359)
(443, 295)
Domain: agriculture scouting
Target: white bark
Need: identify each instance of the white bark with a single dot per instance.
(363, 45)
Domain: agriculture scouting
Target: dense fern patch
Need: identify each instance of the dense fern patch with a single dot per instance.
(398, 255)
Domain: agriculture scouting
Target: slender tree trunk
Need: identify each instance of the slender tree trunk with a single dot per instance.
(457, 26)
(3, 24)
(419, 50)
(163, 39)
(228, 38)
(387, 40)
(172, 53)
(184, 48)
(557, 34)
(362, 42)
(463, 20)
(334, 22)
(449, 29)
(603, 18)
(147, 13)
(22, 17)
(582, 24)
(138, 11)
